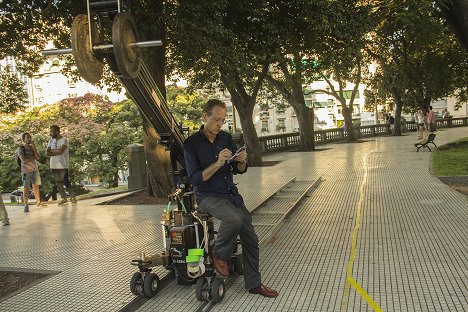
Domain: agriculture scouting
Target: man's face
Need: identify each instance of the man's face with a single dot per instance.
(215, 121)
(53, 133)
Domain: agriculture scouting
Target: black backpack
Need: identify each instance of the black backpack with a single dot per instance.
(18, 159)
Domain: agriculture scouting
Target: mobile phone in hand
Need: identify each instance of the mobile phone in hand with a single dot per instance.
(241, 149)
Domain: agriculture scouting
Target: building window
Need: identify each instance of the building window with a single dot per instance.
(264, 115)
(281, 126)
(265, 126)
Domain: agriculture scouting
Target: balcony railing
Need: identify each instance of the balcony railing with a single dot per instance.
(286, 141)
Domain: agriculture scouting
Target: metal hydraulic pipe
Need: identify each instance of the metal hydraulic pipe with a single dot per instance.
(57, 51)
(141, 44)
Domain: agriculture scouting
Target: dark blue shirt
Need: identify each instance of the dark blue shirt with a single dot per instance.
(199, 154)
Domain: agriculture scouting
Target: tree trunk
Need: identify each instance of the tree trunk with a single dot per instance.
(250, 134)
(305, 117)
(114, 182)
(398, 107)
(426, 102)
(158, 161)
(348, 119)
(245, 103)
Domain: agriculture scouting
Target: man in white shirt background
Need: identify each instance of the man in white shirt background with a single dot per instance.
(58, 151)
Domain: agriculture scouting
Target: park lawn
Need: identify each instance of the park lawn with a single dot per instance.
(103, 192)
(451, 159)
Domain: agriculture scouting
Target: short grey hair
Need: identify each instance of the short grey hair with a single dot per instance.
(210, 104)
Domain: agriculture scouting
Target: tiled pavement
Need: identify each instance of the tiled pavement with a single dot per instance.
(411, 241)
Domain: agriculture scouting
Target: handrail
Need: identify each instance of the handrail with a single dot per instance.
(287, 141)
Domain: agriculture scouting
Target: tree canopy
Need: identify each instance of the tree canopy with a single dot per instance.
(97, 129)
(418, 59)
(186, 105)
(317, 39)
(237, 44)
(13, 96)
(223, 45)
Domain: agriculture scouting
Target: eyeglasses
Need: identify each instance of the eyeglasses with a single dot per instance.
(218, 120)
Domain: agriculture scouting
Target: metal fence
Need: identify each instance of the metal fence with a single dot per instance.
(285, 141)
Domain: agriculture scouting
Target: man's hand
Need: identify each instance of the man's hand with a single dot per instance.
(242, 157)
(33, 146)
(223, 156)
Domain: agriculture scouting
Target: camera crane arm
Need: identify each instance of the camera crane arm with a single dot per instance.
(91, 50)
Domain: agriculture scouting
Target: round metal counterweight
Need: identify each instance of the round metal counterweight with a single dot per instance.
(88, 65)
(127, 57)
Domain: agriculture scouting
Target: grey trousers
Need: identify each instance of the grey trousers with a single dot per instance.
(235, 221)
(59, 177)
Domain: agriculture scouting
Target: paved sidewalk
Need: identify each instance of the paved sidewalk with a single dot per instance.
(410, 234)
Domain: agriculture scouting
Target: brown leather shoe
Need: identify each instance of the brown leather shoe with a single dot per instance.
(220, 265)
(264, 291)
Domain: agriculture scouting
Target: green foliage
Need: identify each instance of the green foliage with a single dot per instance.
(186, 106)
(27, 27)
(97, 129)
(10, 176)
(102, 148)
(12, 93)
(217, 43)
(417, 55)
(269, 97)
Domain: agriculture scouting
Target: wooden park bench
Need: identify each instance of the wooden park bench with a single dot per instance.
(430, 139)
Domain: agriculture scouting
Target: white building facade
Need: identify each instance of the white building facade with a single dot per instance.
(49, 85)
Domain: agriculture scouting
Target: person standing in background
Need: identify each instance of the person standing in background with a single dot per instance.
(420, 120)
(431, 122)
(58, 151)
(391, 123)
(29, 156)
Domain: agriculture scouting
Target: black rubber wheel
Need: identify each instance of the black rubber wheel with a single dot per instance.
(201, 287)
(239, 265)
(217, 290)
(136, 284)
(124, 32)
(151, 285)
(89, 67)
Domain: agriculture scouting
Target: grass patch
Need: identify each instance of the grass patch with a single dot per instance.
(103, 192)
(451, 159)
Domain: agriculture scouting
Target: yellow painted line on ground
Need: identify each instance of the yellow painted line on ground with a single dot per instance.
(364, 295)
(350, 281)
